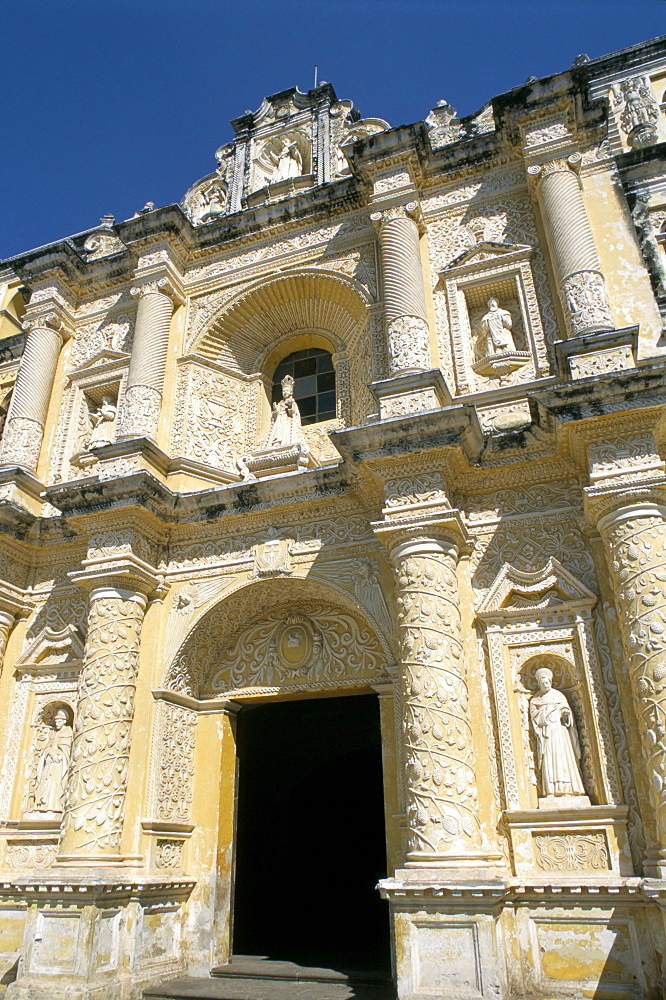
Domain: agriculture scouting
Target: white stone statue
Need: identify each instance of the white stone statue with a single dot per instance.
(288, 162)
(52, 766)
(103, 421)
(496, 330)
(558, 748)
(285, 419)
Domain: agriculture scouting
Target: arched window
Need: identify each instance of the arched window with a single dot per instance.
(314, 383)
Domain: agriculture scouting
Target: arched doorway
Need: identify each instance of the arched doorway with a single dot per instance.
(292, 664)
(310, 837)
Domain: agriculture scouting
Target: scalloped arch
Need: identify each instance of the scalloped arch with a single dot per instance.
(289, 303)
(215, 631)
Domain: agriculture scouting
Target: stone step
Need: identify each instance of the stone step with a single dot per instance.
(252, 978)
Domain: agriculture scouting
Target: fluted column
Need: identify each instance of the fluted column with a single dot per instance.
(93, 819)
(404, 297)
(635, 538)
(140, 411)
(24, 430)
(575, 260)
(442, 808)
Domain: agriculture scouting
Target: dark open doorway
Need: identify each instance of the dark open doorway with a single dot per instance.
(310, 842)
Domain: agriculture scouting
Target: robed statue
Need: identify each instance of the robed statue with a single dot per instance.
(285, 427)
(558, 748)
(52, 766)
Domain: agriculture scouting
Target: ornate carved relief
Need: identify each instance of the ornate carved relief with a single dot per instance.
(172, 764)
(585, 295)
(168, 854)
(140, 411)
(637, 546)
(210, 417)
(317, 645)
(601, 362)
(637, 110)
(31, 853)
(572, 852)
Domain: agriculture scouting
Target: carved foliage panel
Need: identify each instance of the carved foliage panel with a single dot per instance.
(210, 417)
(172, 764)
(314, 645)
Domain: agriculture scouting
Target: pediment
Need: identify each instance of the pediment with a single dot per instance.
(517, 592)
(485, 251)
(53, 649)
(106, 356)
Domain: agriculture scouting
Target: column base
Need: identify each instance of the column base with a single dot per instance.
(85, 938)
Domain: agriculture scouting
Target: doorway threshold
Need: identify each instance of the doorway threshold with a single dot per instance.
(254, 977)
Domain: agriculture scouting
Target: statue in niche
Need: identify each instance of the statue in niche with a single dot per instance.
(103, 421)
(285, 419)
(288, 161)
(558, 747)
(496, 336)
(53, 764)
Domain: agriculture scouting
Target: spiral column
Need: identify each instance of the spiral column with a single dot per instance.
(440, 781)
(140, 411)
(404, 297)
(24, 430)
(93, 819)
(575, 260)
(634, 535)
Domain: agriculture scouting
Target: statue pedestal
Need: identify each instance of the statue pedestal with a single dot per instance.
(583, 841)
(501, 365)
(273, 461)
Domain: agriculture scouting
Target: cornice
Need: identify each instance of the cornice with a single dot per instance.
(451, 426)
(601, 395)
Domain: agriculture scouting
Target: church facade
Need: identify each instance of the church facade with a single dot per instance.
(333, 558)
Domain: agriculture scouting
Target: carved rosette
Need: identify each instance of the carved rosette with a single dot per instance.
(636, 542)
(100, 752)
(140, 413)
(440, 781)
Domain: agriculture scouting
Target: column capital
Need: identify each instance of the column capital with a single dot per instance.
(440, 533)
(163, 285)
(407, 210)
(14, 602)
(560, 164)
(127, 574)
(52, 321)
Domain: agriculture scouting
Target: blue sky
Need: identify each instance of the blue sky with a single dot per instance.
(112, 103)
